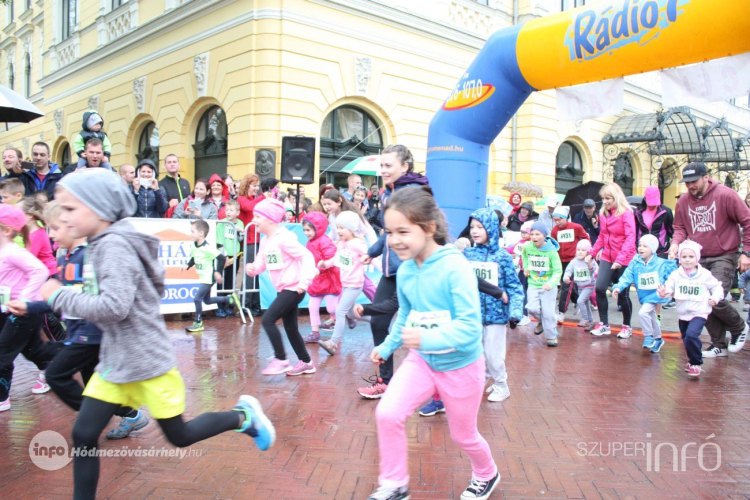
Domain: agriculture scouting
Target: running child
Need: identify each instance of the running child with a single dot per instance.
(39, 244)
(348, 258)
(11, 191)
(21, 277)
(137, 365)
(567, 234)
(439, 320)
(327, 284)
(228, 239)
(541, 264)
(584, 275)
(292, 269)
(647, 271)
(695, 292)
(209, 262)
(516, 250)
(80, 351)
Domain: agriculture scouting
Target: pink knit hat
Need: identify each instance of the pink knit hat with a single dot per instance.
(12, 216)
(271, 209)
(690, 245)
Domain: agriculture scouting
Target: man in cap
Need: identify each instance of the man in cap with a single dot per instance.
(588, 219)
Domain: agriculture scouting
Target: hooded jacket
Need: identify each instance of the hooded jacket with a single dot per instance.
(445, 285)
(588, 224)
(483, 258)
(688, 309)
(616, 237)
(220, 207)
(292, 264)
(79, 143)
(543, 263)
(712, 221)
(568, 248)
(247, 206)
(122, 297)
(32, 184)
(662, 227)
(516, 208)
(646, 276)
(152, 203)
(208, 210)
(515, 222)
(328, 282)
(390, 259)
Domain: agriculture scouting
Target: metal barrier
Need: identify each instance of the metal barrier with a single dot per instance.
(238, 241)
(254, 280)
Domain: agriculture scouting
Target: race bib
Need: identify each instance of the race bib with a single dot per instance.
(90, 284)
(274, 260)
(538, 263)
(486, 270)
(688, 291)
(428, 321)
(566, 236)
(4, 295)
(229, 232)
(344, 260)
(582, 274)
(648, 281)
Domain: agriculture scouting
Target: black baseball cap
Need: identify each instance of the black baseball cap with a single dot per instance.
(693, 171)
(588, 203)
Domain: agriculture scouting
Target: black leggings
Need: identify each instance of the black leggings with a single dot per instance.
(604, 278)
(204, 295)
(381, 323)
(286, 307)
(94, 417)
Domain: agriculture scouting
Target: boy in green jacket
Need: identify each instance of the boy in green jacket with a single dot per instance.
(541, 264)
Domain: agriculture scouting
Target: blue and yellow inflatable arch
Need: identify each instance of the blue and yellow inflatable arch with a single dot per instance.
(592, 43)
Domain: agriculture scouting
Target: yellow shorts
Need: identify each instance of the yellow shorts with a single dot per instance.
(163, 395)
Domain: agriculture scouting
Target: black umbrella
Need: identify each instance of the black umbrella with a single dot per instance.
(575, 197)
(16, 109)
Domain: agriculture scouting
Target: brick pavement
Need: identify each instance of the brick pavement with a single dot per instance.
(556, 437)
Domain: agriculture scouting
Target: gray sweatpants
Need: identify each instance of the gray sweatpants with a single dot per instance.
(494, 341)
(541, 307)
(584, 302)
(347, 299)
(649, 321)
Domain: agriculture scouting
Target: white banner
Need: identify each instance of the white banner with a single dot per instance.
(174, 252)
(592, 100)
(707, 82)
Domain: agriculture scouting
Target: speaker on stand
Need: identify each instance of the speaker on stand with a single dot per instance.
(298, 162)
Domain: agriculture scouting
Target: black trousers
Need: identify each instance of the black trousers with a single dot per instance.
(286, 307)
(204, 295)
(565, 290)
(379, 325)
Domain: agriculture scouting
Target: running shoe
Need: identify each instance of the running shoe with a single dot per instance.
(256, 424)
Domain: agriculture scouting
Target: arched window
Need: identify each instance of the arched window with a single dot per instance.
(64, 156)
(569, 168)
(623, 173)
(148, 144)
(347, 133)
(27, 75)
(211, 143)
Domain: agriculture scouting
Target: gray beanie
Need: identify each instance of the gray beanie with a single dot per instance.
(102, 191)
(651, 242)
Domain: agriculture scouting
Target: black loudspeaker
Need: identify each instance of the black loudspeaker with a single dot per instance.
(298, 160)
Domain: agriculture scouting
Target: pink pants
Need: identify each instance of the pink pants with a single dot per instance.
(369, 289)
(314, 308)
(414, 382)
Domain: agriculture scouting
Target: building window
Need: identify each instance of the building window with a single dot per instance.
(65, 156)
(569, 168)
(68, 18)
(29, 4)
(11, 77)
(211, 143)
(347, 133)
(623, 173)
(148, 144)
(10, 9)
(482, 2)
(117, 3)
(27, 76)
(572, 4)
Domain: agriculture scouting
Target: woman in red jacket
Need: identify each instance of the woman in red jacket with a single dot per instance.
(614, 249)
(248, 196)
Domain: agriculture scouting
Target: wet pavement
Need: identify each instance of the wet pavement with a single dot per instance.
(592, 418)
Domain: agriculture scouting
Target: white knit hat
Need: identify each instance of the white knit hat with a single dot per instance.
(349, 220)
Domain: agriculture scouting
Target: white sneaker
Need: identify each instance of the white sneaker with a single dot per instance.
(601, 329)
(499, 393)
(560, 318)
(524, 321)
(715, 352)
(625, 333)
(736, 345)
(5, 405)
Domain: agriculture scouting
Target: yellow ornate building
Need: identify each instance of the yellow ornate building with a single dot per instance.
(219, 83)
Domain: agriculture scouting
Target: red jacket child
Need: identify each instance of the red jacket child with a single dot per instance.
(328, 282)
(567, 235)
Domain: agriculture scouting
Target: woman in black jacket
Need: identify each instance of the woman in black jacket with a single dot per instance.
(525, 213)
(150, 197)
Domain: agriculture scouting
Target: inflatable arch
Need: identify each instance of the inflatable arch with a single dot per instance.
(597, 42)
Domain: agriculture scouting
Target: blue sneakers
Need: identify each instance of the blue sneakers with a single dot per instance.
(657, 345)
(432, 408)
(128, 425)
(648, 342)
(256, 424)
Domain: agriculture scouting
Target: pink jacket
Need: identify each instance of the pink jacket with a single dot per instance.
(22, 272)
(616, 238)
(347, 259)
(40, 247)
(290, 264)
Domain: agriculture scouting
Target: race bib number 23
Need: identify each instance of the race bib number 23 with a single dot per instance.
(274, 260)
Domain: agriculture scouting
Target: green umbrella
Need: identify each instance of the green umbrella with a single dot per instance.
(365, 165)
(543, 202)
